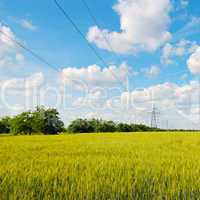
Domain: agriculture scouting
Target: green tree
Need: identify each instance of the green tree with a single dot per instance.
(5, 125)
(81, 126)
(106, 126)
(41, 120)
(95, 125)
(47, 121)
(38, 122)
(122, 127)
(52, 124)
(91, 126)
(22, 123)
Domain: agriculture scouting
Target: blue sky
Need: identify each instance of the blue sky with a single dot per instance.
(155, 48)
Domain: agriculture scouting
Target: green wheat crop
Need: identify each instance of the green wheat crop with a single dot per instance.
(100, 166)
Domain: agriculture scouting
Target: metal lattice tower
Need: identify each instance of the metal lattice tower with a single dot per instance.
(154, 117)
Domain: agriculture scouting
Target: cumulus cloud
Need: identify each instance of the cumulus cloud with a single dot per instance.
(143, 23)
(181, 102)
(183, 47)
(20, 94)
(19, 57)
(177, 103)
(6, 44)
(152, 71)
(194, 62)
(30, 82)
(94, 76)
(92, 115)
(184, 3)
(190, 28)
(90, 99)
(10, 56)
(27, 24)
(8, 61)
(35, 80)
(160, 92)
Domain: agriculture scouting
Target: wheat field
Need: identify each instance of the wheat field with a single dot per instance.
(100, 166)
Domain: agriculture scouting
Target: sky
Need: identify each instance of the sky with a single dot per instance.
(131, 56)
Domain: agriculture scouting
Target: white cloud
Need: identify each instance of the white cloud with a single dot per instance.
(100, 115)
(10, 56)
(19, 57)
(183, 47)
(159, 92)
(177, 104)
(190, 28)
(94, 76)
(173, 101)
(35, 80)
(152, 71)
(184, 3)
(144, 27)
(27, 24)
(92, 115)
(11, 61)
(6, 44)
(93, 100)
(194, 62)
(20, 94)
(30, 82)
(90, 98)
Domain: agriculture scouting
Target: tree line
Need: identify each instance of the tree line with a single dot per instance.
(41, 120)
(103, 126)
(47, 122)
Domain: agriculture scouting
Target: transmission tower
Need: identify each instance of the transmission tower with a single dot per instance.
(154, 117)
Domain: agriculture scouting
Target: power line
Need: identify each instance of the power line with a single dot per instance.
(84, 38)
(96, 22)
(41, 59)
(79, 31)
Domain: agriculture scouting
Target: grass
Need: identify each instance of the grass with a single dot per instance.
(100, 166)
